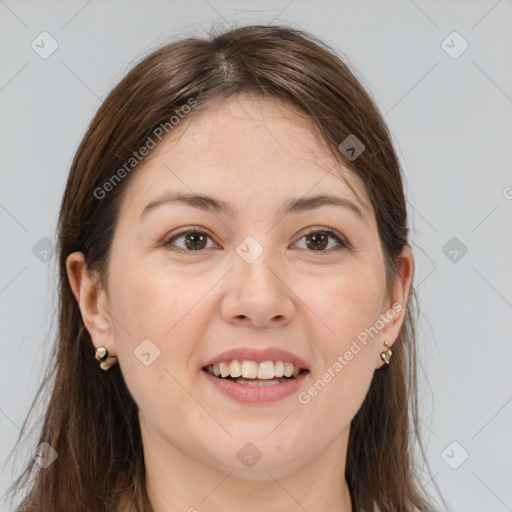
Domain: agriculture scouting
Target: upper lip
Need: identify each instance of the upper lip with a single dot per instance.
(252, 354)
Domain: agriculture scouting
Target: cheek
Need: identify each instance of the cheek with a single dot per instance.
(349, 303)
(350, 308)
(167, 307)
(157, 302)
(162, 320)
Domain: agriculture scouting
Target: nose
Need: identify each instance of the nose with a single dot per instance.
(258, 294)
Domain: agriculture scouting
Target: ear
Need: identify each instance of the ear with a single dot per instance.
(394, 307)
(92, 301)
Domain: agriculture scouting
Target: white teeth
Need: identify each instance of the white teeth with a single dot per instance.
(279, 369)
(224, 369)
(249, 369)
(265, 370)
(235, 368)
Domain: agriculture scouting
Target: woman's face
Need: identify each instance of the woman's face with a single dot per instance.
(257, 275)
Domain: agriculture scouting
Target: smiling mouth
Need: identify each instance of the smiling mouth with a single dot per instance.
(247, 375)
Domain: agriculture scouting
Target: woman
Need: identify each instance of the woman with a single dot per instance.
(235, 330)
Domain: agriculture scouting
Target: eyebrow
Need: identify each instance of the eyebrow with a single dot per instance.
(211, 204)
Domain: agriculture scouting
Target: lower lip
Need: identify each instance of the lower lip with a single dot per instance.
(256, 394)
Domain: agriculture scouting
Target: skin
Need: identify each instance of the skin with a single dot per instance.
(256, 154)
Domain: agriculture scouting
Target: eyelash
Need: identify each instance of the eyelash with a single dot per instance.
(325, 231)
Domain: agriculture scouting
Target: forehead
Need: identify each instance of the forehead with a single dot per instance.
(243, 147)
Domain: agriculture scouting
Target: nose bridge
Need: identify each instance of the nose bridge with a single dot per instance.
(258, 293)
(253, 264)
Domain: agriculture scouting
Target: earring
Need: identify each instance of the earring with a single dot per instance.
(386, 355)
(101, 354)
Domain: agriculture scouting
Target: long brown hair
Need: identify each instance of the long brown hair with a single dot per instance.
(95, 470)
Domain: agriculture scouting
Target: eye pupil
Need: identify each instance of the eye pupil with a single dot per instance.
(318, 239)
(195, 238)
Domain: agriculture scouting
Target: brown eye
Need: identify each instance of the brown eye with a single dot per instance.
(193, 241)
(318, 241)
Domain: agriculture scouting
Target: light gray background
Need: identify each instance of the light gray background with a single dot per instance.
(452, 122)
